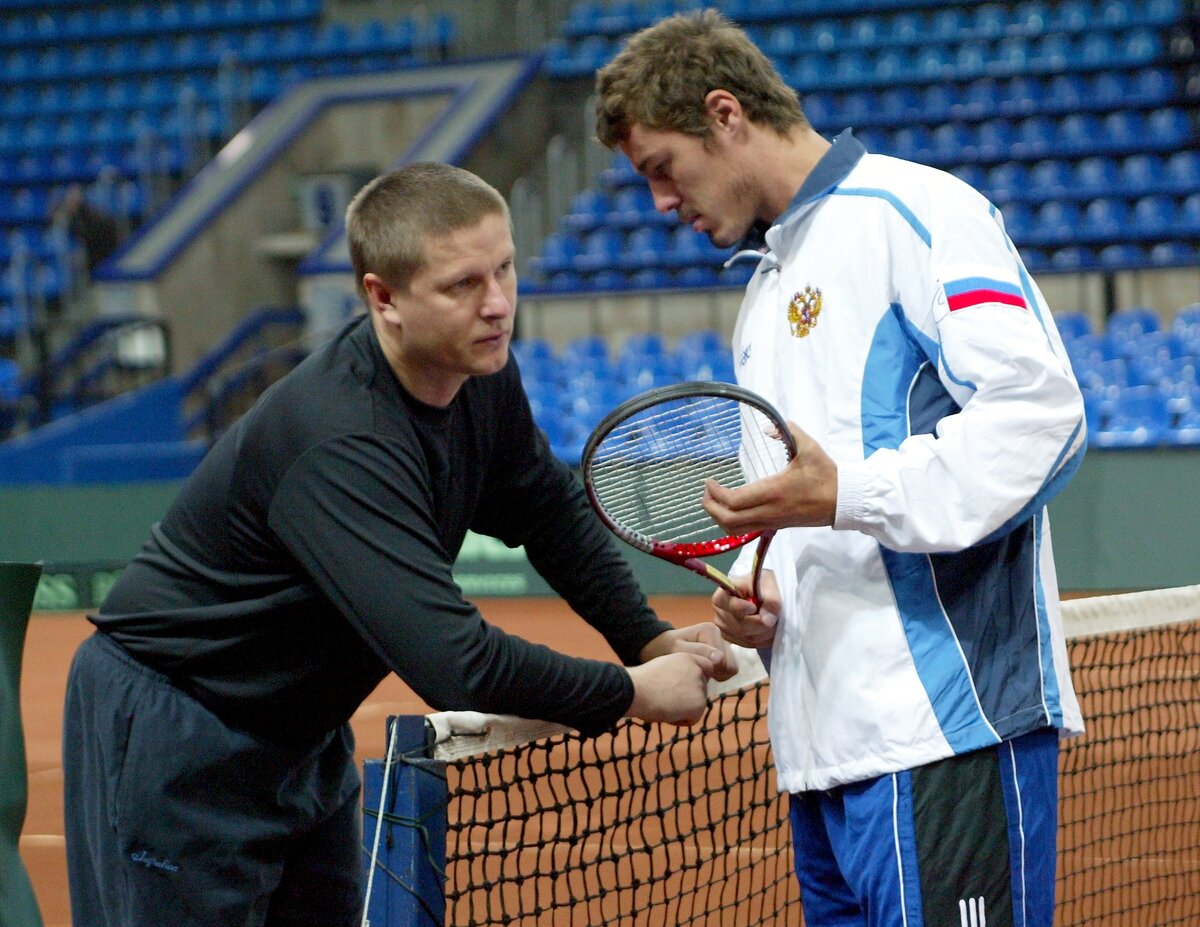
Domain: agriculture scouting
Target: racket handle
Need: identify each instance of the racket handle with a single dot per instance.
(759, 558)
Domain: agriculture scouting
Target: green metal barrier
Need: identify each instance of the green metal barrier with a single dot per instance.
(18, 907)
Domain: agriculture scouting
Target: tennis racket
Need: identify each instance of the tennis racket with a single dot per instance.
(645, 464)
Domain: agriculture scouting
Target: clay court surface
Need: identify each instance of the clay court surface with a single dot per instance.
(53, 637)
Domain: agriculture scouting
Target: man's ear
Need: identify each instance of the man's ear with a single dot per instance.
(724, 110)
(380, 297)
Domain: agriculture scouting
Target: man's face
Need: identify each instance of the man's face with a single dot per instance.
(696, 178)
(455, 320)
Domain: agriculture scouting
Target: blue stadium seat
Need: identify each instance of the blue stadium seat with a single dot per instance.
(631, 206)
(1109, 89)
(1056, 221)
(1100, 377)
(1074, 258)
(1174, 254)
(891, 66)
(1168, 128)
(947, 24)
(1050, 178)
(1054, 51)
(648, 371)
(588, 210)
(1138, 417)
(650, 278)
(1099, 48)
(1018, 222)
(905, 28)
(736, 275)
(1079, 133)
(1122, 256)
(606, 280)
(688, 248)
(852, 69)
(898, 102)
(559, 252)
(1140, 47)
(1097, 175)
(645, 248)
(1114, 12)
(641, 344)
(1141, 174)
(980, 99)
(1072, 325)
(1070, 15)
(970, 60)
(1186, 324)
(1153, 85)
(1069, 92)
(913, 143)
(1132, 321)
(1104, 218)
(698, 276)
(1123, 130)
(1188, 216)
(584, 348)
(994, 140)
(1153, 216)
(704, 341)
(1006, 181)
(531, 350)
(1181, 171)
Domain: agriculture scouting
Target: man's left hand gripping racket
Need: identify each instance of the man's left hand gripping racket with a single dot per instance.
(645, 465)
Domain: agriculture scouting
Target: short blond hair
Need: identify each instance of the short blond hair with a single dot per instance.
(390, 219)
(661, 77)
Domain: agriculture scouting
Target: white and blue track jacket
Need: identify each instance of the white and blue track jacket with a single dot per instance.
(893, 321)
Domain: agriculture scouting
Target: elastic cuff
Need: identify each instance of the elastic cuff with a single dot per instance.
(851, 497)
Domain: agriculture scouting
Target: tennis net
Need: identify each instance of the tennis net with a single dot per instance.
(651, 824)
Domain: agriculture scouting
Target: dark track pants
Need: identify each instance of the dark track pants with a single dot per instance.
(174, 818)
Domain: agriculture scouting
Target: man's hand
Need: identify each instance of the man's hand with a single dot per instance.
(671, 688)
(702, 640)
(740, 621)
(803, 494)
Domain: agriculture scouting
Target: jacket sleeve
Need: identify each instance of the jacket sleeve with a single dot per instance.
(1013, 431)
(356, 513)
(539, 502)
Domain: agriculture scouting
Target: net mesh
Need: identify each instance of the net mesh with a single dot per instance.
(652, 824)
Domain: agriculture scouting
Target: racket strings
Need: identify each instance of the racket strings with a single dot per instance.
(649, 471)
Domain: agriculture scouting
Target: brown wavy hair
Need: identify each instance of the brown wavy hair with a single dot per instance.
(661, 77)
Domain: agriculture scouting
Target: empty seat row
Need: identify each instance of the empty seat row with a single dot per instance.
(1105, 219)
(102, 22)
(883, 22)
(1131, 176)
(955, 57)
(990, 97)
(1077, 135)
(1122, 256)
(129, 57)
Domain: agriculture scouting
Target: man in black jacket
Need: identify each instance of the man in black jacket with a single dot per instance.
(210, 775)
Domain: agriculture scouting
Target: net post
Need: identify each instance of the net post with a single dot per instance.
(409, 884)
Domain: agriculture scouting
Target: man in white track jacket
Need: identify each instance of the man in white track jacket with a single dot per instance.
(918, 668)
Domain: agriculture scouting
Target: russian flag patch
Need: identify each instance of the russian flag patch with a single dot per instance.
(977, 291)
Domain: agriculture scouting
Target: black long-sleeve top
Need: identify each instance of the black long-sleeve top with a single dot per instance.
(311, 552)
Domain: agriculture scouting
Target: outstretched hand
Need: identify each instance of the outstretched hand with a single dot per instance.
(702, 640)
(803, 494)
